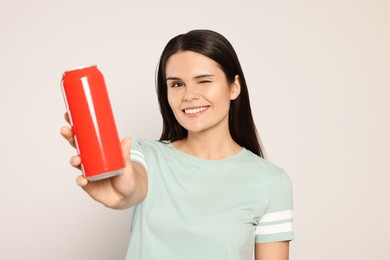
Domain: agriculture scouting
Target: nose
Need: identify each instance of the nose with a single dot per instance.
(191, 93)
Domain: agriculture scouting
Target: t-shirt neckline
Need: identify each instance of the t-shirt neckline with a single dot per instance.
(191, 157)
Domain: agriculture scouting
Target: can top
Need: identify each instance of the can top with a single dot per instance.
(80, 68)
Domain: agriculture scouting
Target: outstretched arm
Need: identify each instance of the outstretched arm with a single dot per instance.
(119, 192)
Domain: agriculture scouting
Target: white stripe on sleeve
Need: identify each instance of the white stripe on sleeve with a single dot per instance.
(138, 157)
(277, 216)
(274, 229)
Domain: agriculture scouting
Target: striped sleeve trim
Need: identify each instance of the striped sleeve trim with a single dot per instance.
(276, 216)
(275, 223)
(274, 229)
(138, 157)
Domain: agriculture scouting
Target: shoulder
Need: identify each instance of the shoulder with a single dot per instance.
(149, 147)
(144, 150)
(264, 166)
(145, 143)
(266, 172)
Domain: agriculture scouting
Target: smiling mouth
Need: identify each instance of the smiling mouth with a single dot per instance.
(194, 110)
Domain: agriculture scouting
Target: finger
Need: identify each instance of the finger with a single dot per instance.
(67, 133)
(82, 181)
(75, 161)
(126, 146)
(67, 118)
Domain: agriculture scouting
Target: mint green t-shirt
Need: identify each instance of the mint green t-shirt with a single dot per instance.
(198, 209)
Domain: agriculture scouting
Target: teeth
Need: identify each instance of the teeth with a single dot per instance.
(193, 111)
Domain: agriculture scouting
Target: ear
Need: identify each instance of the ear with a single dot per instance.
(235, 88)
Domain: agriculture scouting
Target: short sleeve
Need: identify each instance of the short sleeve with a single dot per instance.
(276, 224)
(137, 153)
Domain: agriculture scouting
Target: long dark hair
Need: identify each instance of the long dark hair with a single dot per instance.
(216, 47)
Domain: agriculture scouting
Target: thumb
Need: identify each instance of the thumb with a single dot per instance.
(126, 146)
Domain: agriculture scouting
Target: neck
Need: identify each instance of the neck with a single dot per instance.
(208, 146)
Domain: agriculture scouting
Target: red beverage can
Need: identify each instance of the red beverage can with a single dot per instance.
(92, 121)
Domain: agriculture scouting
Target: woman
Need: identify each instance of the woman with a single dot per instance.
(204, 190)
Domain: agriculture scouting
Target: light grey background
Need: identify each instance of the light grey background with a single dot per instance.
(318, 74)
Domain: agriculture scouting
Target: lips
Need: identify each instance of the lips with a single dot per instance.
(194, 110)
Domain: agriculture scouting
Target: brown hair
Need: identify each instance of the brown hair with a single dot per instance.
(216, 47)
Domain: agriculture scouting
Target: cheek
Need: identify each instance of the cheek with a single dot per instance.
(220, 97)
(172, 100)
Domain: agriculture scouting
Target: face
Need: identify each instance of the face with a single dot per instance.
(198, 92)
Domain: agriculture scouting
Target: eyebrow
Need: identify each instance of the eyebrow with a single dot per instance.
(196, 77)
(172, 78)
(204, 76)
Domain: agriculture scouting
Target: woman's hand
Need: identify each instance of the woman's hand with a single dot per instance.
(118, 192)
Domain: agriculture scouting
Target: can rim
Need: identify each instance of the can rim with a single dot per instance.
(80, 68)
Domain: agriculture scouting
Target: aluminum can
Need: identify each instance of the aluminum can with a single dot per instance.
(92, 121)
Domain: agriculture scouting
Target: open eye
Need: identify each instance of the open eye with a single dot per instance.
(177, 84)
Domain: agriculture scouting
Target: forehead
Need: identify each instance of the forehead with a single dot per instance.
(189, 63)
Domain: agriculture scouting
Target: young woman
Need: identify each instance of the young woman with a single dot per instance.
(204, 190)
